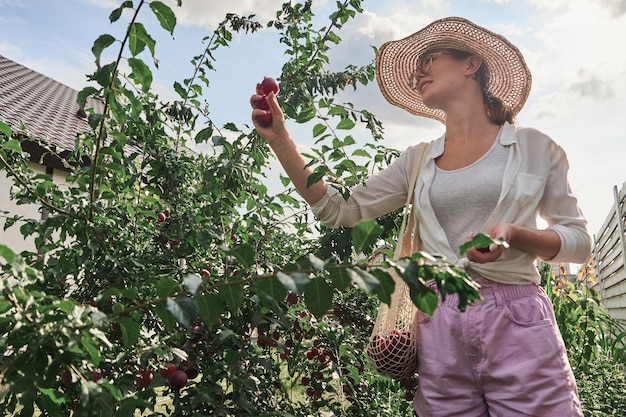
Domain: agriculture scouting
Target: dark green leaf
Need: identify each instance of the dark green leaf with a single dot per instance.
(165, 15)
(365, 234)
(295, 282)
(361, 152)
(340, 278)
(314, 177)
(210, 307)
(165, 287)
(233, 295)
(52, 401)
(204, 134)
(184, 309)
(91, 349)
(481, 240)
(306, 114)
(7, 253)
(5, 129)
(337, 111)
(386, 285)
(272, 287)
(165, 316)
(130, 330)
(363, 279)
(141, 73)
(345, 124)
(138, 39)
(318, 297)
(244, 254)
(425, 300)
(317, 263)
(100, 45)
(129, 405)
(117, 13)
(12, 145)
(318, 129)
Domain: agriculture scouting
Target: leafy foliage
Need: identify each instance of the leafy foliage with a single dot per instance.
(169, 282)
(595, 340)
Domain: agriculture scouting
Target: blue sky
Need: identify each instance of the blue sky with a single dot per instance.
(573, 48)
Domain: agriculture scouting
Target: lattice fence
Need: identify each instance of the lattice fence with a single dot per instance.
(608, 253)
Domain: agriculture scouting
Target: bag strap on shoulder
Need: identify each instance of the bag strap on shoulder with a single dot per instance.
(408, 227)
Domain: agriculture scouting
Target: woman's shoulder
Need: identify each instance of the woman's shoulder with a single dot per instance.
(532, 134)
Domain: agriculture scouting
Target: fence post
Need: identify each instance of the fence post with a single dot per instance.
(620, 221)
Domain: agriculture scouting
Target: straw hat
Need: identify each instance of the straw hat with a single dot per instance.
(509, 78)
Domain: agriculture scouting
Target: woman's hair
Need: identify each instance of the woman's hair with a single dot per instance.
(496, 110)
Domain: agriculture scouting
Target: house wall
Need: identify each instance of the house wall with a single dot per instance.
(12, 237)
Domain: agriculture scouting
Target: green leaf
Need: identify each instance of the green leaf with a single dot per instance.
(284, 180)
(12, 145)
(52, 400)
(317, 263)
(91, 349)
(233, 295)
(141, 73)
(165, 15)
(481, 240)
(345, 124)
(337, 111)
(244, 254)
(166, 286)
(365, 234)
(100, 44)
(167, 319)
(117, 13)
(5, 129)
(340, 278)
(308, 113)
(361, 152)
(203, 135)
(318, 297)
(295, 282)
(55, 396)
(7, 253)
(314, 177)
(363, 279)
(129, 405)
(66, 306)
(138, 39)
(271, 287)
(386, 285)
(184, 309)
(318, 129)
(192, 282)
(426, 301)
(210, 307)
(130, 330)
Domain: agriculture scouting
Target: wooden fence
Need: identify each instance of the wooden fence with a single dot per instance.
(608, 254)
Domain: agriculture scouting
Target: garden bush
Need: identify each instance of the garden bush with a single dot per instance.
(167, 281)
(594, 340)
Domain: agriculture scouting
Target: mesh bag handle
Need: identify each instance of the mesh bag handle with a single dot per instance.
(392, 346)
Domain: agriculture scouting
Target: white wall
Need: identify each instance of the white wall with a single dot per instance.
(12, 237)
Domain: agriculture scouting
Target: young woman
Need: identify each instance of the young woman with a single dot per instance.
(504, 355)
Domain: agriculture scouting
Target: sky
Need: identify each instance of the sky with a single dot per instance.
(573, 48)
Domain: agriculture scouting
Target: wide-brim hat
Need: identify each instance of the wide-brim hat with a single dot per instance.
(509, 78)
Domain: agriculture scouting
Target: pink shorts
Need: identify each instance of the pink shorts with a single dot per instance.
(502, 357)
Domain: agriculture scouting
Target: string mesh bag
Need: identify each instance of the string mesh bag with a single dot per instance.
(392, 347)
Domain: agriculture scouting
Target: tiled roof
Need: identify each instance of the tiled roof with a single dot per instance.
(47, 107)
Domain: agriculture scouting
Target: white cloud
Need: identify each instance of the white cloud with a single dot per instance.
(209, 14)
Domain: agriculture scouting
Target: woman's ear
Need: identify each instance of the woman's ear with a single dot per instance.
(473, 64)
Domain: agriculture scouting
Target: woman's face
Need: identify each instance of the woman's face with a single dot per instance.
(440, 78)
